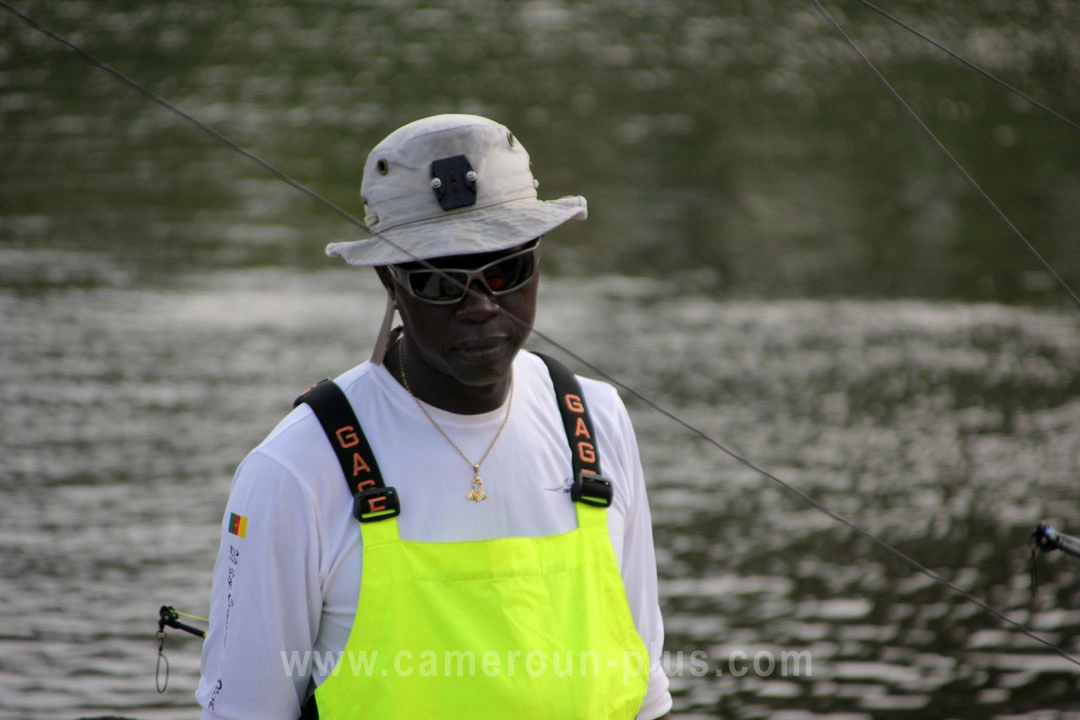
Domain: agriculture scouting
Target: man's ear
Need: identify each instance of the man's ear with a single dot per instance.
(387, 280)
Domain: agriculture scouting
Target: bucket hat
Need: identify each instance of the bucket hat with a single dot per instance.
(450, 185)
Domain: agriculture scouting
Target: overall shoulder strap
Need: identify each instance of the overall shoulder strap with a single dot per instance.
(588, 486)
(372, 500)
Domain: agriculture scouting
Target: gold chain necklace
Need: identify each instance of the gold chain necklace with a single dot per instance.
(477, 493)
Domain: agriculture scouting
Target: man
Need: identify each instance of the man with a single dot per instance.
(477, 541)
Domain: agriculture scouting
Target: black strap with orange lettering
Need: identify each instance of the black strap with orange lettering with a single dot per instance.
(588, 485)
(372, 500)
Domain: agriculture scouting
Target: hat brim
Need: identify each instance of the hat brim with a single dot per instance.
(476, 230)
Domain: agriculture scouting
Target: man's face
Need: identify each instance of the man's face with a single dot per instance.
(471, 342)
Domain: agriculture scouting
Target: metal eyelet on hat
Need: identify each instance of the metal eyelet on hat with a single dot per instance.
(381, 167)
(510, 138)
(371, 218)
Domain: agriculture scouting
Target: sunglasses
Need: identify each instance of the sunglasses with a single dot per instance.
(447, 286)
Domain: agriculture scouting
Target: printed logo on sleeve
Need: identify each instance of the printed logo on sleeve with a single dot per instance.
(238, 525)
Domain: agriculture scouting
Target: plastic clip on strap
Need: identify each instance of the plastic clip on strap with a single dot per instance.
(591, 490)
(589, 486)
(376, 504)
(372, 500)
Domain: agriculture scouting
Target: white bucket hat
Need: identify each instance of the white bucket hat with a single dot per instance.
(450, 185)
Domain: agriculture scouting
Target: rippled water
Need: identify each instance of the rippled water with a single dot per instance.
(948, 430)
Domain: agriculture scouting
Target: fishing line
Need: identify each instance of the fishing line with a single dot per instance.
(985, 73)
(592, 367)
(945, 151)
(189, 615)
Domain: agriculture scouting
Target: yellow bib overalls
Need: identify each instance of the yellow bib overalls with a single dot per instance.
(519, 628)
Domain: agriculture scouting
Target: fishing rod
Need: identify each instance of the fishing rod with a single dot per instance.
(1019, 627)
(168, 616)
(1045, 540)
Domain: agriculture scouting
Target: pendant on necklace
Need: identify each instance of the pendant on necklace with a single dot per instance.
(477, 493)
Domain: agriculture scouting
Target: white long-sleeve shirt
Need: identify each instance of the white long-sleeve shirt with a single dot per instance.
(284, 595)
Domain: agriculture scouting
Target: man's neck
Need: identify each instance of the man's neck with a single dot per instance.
(445, 392)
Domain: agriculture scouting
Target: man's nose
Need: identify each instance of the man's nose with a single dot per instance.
(478, 303)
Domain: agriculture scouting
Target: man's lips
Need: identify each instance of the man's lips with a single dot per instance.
(480, 346)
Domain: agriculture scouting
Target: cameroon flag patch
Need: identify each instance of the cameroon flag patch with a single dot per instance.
(237, 525)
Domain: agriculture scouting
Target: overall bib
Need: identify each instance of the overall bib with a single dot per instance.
(521, 628)
(516, 628)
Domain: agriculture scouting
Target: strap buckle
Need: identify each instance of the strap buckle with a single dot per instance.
(376, 503)
(591, 489)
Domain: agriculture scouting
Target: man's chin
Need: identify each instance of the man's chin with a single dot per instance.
(483, 369)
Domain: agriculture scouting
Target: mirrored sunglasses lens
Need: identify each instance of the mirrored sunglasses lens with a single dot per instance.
(448, 286)
(445, 286)
(509, 274)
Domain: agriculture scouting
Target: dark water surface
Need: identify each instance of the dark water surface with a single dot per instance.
(774, 253)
